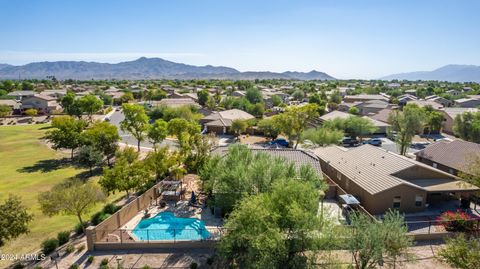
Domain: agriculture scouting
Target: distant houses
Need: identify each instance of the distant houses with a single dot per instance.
(44, 104)
(449, 114)
(221, 122)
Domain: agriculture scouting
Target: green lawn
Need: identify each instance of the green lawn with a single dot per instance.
(27, 167)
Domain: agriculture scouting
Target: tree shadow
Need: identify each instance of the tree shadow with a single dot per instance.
(46, 166)
(85, 175)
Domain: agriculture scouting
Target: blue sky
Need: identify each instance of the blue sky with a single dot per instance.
(347, 39)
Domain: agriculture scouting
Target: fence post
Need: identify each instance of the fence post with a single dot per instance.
(429, 226)
(121, 236)
(91, 238)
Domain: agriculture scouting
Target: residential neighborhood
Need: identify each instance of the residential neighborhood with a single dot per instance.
(239, 134)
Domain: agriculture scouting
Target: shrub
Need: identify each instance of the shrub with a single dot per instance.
(99, 217)
(63, 237)
(457, 221)
(210, 260)
(90, 259)
(49, 245)
(38, 267)
(81, 248)
(78, 229)
(146, 266)
(110, 208)
(70, 249)
(18, 266)
(73, 266)
(104, 261)
(193, 265)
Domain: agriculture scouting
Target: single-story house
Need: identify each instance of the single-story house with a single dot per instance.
(44, 104)
(177, 102)
(424, 103)
(13, 104)
(381, 126)
(55, 93)
(449, 114)
(373, 106)
(383, 180)
(450, 156)
(437, 99)
(19, 95)
(364, 98)
(468, 102)
(220, 122)
(382, 115)
(297, 156)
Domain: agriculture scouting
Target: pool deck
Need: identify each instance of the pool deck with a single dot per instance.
(181, 209)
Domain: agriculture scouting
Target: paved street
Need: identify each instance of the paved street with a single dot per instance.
(117, 117)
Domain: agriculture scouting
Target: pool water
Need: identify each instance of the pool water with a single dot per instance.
(165, 226)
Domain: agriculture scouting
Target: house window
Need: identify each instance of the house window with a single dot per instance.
(339, 176)
(396, 201)
(434, 165)
(451, 171)
(418, 200)
(347, 182)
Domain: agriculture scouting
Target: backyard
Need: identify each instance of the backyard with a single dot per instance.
(29, 167)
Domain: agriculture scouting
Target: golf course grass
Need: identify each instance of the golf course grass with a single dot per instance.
(27, 167)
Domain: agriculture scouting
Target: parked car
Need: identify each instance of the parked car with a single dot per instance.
(374, 142)
(279, 141)
(419, 145)
(107, 119)
(350, 142)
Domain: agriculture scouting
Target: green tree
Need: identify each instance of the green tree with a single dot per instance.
(90, 157)
(183, 129)
(157, 132)
(199, 153)
(461, 252)
(467, 126)
(66, 133)
(126, 97)
(433, 119)
(354, 110)
(160, 162)
(276, 100)
(241, 173)
(203, 97)
(298, 95)
(14, 219)
(90, 104)
(5, 110)
(323, 136)
(253, 95)
(370, 241)
(135, 122)
(31, 112)
(125, 176)
(359, 126)
(239, 126)
(406, 123)
(104, 137)
(269, 128)
(274, 229)
(71, 198)
(293, 122)
(69, 105)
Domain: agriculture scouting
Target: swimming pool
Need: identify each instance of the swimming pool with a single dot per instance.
(165, 226)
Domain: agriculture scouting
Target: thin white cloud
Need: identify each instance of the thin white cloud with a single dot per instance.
(23, 57)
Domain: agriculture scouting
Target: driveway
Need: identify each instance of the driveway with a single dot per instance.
(127, 138)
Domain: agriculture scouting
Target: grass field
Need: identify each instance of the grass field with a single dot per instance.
(28, 167)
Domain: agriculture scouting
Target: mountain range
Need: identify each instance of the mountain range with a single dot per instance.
(452, 73)
(142, 68)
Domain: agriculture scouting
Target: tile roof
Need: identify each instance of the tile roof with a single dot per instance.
(232, 114)
(298, 157)
(382, 115)
(455, 154)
